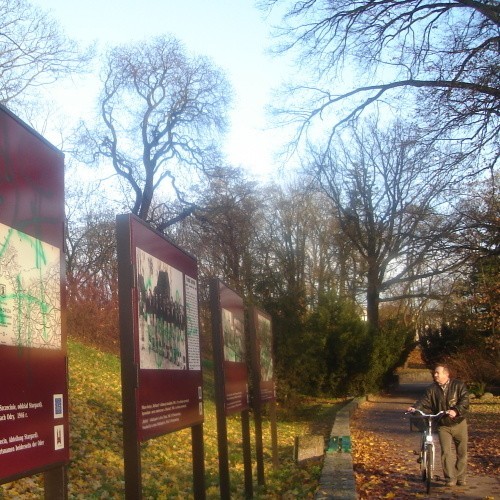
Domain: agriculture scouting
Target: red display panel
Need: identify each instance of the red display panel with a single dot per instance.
(232, 344)
(164, 341)
(34, 433)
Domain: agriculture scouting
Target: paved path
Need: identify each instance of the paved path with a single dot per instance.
(383, 415)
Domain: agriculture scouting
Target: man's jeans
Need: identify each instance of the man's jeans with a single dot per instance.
(449, 436)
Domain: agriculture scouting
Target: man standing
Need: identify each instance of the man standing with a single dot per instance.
(452, 396)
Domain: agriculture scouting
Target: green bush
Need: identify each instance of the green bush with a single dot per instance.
(330, 350)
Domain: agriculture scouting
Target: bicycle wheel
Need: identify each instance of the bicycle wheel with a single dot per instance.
(423, 463)
(428, 467)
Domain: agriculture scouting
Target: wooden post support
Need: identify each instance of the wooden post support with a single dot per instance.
(198, 462)
(247, 453)
(224, 481)
(274, 434)
(129, 368)
(56, 484)
(259, 448)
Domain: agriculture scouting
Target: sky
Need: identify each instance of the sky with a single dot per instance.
(233, 33)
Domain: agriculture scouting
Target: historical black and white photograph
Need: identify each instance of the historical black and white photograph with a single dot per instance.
(234, 342)
(265, 339)
(162, 314)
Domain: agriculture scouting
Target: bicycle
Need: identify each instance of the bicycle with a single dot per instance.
(427, 448)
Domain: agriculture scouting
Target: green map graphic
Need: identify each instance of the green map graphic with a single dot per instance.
(30, 291)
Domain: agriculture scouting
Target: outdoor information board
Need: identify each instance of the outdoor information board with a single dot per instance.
(231, 378)
(160, 346)
(229, 339)
(33, 354)
(160, 335)
(263, 366)
(263, 384)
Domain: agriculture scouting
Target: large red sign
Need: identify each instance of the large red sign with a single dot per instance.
(161, 344)
(231, 340)
(33, 357)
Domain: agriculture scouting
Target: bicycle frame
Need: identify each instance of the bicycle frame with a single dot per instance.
(427, 447)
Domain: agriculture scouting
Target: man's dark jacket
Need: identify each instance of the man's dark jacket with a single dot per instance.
(457, 398)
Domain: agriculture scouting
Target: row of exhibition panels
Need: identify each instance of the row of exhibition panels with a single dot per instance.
(161, 366)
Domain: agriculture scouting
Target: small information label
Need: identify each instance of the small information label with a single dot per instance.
(159, 414)
(58, 406)
(58, 437)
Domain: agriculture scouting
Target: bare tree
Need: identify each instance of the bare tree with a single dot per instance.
(390, 196)
(479, 242)
(479, 235)
(91, 267)
(448, 51)
(162, 113)
(287, 234)
(90, 241)
(33, 51)
(222, 230)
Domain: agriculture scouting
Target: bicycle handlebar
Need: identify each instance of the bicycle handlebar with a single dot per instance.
(425, 415)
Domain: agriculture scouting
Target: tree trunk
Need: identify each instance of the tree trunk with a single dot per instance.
(373, 298)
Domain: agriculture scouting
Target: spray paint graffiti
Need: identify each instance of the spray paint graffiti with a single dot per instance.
(30, 291)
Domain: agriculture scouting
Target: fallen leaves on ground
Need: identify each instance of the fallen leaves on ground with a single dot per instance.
(96, 467)
(386, 467)
(484, 439)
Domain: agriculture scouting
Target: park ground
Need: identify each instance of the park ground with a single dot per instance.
(383, 450)
(383, 446)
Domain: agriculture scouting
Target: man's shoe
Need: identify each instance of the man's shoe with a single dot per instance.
(451, 482)
(462, 482)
